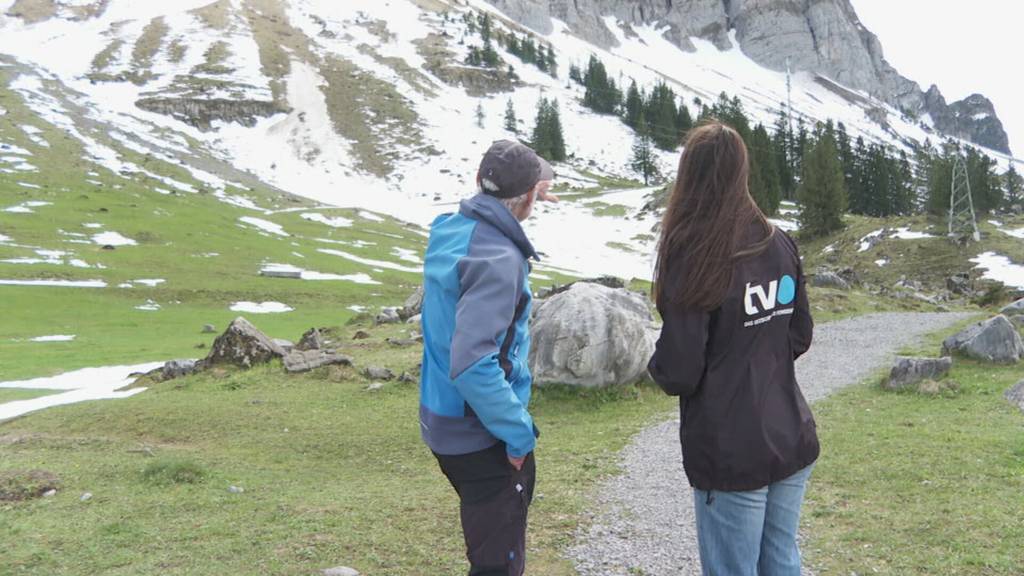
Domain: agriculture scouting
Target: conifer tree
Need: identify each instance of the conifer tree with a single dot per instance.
(822, 190)
(602, 95)
(764, 177)
(940, 180)
(684, 122)
(479, 115)
(634, 105)
(511, 123)
(660, 112)
(548, 140)
(552, 62)
(781, 145)
(1014, 186)
(644, 158)
(575, 74)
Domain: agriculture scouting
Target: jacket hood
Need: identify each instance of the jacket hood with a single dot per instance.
(488, 209)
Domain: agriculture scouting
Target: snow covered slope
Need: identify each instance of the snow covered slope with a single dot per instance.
(346, 103)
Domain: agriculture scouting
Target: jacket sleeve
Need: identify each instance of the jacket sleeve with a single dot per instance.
(679, 356)
(490, 289)
(801, 326)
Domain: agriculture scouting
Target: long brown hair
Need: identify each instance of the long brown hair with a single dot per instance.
(706, 228)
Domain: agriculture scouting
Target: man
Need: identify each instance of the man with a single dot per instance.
(475, 384)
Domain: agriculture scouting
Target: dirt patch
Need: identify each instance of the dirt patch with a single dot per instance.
(370, 113)
(32, 11)
(214, 58)
(475, 80)
(17, 485)
(216, 15)
(275, 37)
(146, 47)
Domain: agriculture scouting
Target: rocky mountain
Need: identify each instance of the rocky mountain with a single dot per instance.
(820, 36)
(378, 106)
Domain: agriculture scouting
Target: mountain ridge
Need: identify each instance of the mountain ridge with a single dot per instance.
(822, 36)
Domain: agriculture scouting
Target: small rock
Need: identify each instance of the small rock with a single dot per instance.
(50, 493)
(1015, 395)
(286, 345)
(86, 497)
(236, 489)
(959, 283)
(417, 319)
(413, 305)
(311, 340)
(374, 386)
(827, 279)
(304, 361)
(361, 335)
(402, 342)
(378, 373)
(1014, 310)
(933, 388)
(340, 571)
(994, 340)
(178, 368)
(201, 346)
(908, 371)
(407, 378)
(108, 247)
(388, 316)
(209, 329)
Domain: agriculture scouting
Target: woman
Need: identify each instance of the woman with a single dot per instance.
(730, 289)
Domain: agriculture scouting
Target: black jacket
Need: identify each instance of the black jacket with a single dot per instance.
(744, 422)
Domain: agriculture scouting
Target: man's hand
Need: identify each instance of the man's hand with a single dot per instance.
(542, 192)
(516, 463)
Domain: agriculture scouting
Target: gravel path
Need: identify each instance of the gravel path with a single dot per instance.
(642, 521)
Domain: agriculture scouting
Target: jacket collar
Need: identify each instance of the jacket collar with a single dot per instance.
(489, 209)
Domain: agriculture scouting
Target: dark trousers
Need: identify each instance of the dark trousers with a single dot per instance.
(493, 501)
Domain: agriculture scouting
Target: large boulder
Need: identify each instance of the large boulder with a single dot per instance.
(907, 372)
(592, 336)
(1014, 309)
(994, 340)
(413, 305)
(1015, 395)
(242, 344)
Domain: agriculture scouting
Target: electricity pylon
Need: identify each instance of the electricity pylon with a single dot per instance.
(962, 221)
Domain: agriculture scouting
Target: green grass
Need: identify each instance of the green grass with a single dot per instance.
(332, 474)
(929, 260)
(174, 232)
(12, 394)
(919, 485)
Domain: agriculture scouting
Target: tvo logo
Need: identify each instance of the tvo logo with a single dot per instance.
(780, 292)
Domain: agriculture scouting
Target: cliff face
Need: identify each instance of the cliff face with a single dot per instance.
(820, 36)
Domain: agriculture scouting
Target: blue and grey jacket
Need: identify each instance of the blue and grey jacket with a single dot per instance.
(475, 383)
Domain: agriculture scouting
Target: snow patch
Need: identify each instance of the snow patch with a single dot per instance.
(311, 275)
(53, 338)
(264, 225)
(335, 222)
(56, 283)
(260, 307)
(1000, 269)
(371, 262)
(80, 385)
(906, 234)
(112, 239)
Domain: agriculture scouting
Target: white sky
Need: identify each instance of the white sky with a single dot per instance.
(961, 47)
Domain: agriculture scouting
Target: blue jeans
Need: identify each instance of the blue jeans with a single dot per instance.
(751, 533)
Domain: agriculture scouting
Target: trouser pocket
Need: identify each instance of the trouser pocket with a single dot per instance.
(494, 499)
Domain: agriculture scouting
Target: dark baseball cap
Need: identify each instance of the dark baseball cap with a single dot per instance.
(511, 169)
